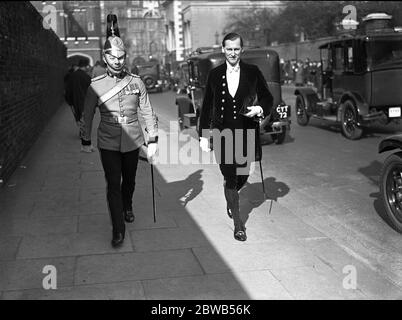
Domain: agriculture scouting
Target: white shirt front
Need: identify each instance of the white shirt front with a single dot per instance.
(233, 78)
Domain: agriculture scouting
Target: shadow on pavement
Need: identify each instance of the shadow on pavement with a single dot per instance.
(253, 192)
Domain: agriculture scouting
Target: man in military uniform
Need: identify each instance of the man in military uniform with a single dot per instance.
(119, 95)
(236, 93)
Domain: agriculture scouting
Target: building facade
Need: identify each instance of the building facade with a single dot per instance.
(77, 24)
(81, 25)
(142, 29)
(192, 24)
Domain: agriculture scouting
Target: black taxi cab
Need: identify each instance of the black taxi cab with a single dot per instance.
(361, 74)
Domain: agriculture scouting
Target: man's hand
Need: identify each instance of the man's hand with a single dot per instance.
(87, 149)
(204, 144)
(152, 149)
(254, 111)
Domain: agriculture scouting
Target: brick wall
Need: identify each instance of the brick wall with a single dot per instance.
(32, 66)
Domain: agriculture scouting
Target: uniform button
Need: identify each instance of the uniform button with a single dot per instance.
(234, 112)
(234, 117)
(234, 107)
(222, 108)
(223, 100)
(234, 101)
(223, 92)
(224, 84)
(223, 77)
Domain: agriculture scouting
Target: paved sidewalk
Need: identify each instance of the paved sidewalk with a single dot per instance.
(53, 212)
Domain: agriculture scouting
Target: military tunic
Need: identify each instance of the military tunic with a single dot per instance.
(113, 133)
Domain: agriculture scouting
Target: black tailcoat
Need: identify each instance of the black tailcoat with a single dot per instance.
(221, 111)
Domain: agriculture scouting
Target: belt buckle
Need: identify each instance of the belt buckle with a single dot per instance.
(122, 120)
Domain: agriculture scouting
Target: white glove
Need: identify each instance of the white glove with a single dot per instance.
(87, 149)
(152, 149)
(204, 144)
(254, 111)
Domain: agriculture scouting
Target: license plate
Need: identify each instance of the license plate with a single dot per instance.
(394, 112)
(282, 111)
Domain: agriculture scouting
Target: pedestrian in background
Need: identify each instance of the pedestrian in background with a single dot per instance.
(98, 69)
(119, 95)
(236, 93)
(76, 88)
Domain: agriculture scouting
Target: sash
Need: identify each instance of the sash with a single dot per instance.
(115, 90)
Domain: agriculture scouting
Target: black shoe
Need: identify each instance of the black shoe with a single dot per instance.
(118, 239)
(229, 212)
(129, 216)
(240, 235)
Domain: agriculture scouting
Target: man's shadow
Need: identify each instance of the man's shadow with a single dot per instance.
(188, 189)
(253, 193)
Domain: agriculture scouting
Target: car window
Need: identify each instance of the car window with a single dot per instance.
(326, 58)
(386, 51)
(338, 58)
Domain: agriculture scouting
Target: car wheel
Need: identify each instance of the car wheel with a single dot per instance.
(301, 112)
(391, 189)
(149, 82)
(349, 125)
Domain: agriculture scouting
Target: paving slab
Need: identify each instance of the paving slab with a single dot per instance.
(101, 222)
(132, 290)
(167, 239)
(369, 281)
(8, 247)
(314, 282)
(253, 256)
(45, 208)
(28, 273)
(12, 209)
(224, 286)
(41, 226)
(75, 244)
(136, 266)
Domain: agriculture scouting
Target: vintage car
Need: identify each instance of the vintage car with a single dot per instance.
(189, 98)
(361, 75)
(150, 73)
(180, 77)
(391, 180)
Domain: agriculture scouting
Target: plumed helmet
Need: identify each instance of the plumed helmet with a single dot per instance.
(113, 40)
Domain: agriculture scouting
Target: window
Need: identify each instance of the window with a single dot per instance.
(339, 58)
(349, 58)
(91, 26)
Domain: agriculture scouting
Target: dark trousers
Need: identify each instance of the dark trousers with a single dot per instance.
(120, 171)
(233, 183)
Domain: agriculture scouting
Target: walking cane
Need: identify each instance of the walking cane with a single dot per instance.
(153, 192)
(263, 187)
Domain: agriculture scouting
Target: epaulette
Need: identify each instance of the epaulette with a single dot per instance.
(133, 75)
(99, 77)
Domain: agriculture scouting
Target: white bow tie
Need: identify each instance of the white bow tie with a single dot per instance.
(234, 69)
